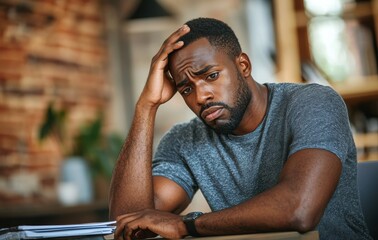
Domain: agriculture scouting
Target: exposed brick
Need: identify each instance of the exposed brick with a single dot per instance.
(51, 51)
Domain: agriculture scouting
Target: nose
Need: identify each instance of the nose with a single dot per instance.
(204, 93)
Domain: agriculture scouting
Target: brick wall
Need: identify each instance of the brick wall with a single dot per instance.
(50, 51)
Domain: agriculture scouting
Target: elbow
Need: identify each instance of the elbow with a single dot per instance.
(304, 225)
(304, 221)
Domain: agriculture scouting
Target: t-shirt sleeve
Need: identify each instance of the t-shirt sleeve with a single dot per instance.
(318, 118)
(169, 163)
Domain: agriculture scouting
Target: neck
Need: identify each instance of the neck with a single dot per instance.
(256, 109)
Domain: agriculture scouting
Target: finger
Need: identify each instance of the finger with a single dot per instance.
(121, 223)
(126, 235)
(175, 36)
(123, 233)
(118, 233)
(169, 48)
(143, 234)
(130, 232)
(124, 223)
(135, 226)
(172, 43)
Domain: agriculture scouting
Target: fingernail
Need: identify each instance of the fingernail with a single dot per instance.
(184, 27)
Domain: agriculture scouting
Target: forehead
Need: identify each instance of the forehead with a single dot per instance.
(195, 56)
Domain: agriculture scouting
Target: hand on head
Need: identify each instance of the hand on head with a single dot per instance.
(160, 86)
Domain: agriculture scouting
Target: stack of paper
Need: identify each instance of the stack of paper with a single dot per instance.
(55, 231)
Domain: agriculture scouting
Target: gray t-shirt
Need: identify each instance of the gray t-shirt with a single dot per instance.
(231, 169)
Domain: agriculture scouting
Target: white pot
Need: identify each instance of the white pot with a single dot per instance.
(75, 182)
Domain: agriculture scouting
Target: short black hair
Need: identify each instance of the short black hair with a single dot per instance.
(218, 33)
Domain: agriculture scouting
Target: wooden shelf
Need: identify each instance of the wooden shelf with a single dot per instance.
(360, 10)
(294, 48)
(365, 140)
(358, 88)
(301, 18)
(367, 146)
(350, 11)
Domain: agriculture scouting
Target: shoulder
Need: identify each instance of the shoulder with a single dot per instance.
(317, 117)
(294, 97)
(315, 90)
(307, 96)
(318, 97)
(301, 90)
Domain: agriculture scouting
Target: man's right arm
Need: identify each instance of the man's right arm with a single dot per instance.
(133, 188)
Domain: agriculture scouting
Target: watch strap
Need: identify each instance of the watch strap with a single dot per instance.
(189, 221)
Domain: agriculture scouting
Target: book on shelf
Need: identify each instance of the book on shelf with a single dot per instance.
(361, 46)
(312, 74)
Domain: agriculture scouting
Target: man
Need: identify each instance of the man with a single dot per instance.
(272, 157)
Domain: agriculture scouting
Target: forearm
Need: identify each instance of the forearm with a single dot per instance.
(131, 186)
(267, 212)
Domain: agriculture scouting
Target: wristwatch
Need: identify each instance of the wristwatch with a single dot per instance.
(189, 220)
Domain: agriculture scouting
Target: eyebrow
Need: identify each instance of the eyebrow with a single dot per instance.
(203, 70)
(198, 73)
(182, 83)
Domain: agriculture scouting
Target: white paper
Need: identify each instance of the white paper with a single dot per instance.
(67, 226)
(51, 231)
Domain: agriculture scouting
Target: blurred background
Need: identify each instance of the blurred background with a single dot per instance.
(72, 70)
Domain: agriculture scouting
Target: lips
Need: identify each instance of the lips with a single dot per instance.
(212, 113)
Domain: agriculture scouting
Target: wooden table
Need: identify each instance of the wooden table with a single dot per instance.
(313, 235)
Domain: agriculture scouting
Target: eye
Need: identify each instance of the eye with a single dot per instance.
(186, 91)
(213, 76)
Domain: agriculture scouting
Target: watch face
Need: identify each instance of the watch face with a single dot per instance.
(192, 216)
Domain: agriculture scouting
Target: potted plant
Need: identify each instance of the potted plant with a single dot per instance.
(92, 157)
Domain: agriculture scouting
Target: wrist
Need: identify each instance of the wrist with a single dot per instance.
(146, 103)
(189, 221)
(145, 107)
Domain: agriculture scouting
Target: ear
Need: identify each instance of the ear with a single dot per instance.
(244, 64)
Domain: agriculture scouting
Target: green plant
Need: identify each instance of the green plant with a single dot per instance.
(53, 124)
(99, 149)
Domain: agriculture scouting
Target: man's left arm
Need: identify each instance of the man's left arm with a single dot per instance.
(297, 203)
(307, 183)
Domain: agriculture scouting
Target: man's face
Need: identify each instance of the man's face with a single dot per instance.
(211, 85)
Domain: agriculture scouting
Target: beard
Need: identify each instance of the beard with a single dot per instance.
(244, 96)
